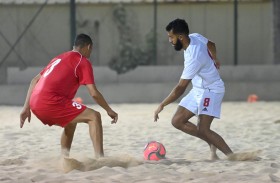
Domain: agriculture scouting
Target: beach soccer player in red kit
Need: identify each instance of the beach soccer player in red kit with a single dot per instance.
(51, 92)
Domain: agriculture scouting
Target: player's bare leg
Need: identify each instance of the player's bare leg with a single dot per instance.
(67, 138)
(211, 136)
(190, 127)
(180, 121)
(96, 134)
(93, 119)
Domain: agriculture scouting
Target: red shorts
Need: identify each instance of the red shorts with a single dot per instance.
(59, 114)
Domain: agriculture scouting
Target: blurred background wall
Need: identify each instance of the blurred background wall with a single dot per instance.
(34, 31)
(49, 34)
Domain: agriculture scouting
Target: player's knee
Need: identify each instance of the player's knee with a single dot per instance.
(176, 122)
(97, 115)
(93, 115)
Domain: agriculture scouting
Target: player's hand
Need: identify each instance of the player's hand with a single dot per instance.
(26, 113)
(159, 109)
(113, 115)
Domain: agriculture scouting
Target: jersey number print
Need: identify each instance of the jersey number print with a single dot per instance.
(50, 69)
(206, 102)
(77, 105)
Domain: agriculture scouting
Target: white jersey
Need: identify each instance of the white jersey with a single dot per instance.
(199, 66)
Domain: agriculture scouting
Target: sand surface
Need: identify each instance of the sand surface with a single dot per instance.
(31, 154)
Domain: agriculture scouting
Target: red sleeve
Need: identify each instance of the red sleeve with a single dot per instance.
(84, 72)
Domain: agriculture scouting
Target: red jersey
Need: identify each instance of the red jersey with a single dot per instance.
(58, 84)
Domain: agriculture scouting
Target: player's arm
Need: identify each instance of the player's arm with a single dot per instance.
(26, 108)
(176, 92)
(212, 49)
(99, 99)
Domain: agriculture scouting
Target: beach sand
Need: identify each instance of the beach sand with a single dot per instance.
(31, 154)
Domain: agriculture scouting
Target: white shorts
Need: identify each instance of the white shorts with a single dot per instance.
(200, 101)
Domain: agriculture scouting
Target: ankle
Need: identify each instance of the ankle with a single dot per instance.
(65, 152)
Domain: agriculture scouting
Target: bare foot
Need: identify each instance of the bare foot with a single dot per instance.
(65, 153)
(97, 155)
(214, 155)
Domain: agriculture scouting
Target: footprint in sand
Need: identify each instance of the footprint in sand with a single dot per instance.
(274, 178)
(275, 165)
(8, 162)
(277, 121)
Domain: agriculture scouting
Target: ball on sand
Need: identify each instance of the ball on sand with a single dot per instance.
(154, 151)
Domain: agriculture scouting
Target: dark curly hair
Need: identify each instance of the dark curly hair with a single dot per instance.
(178, 26)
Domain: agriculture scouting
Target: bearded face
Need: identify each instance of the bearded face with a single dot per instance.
(178, 45)
(175, 41)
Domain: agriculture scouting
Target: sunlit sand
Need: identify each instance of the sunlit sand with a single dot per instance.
(32, 154)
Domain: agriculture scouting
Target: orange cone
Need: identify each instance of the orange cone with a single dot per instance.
(252, 98)
(79, 100)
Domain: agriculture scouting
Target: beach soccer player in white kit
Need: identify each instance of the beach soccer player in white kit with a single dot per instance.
(205, 98)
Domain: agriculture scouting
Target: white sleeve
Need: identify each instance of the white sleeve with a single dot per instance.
(191, 68)
(200, 38)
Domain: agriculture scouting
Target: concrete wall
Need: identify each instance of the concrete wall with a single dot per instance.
(49, 35)
(153, 84)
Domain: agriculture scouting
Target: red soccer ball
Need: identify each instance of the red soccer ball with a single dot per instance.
(154, 151)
